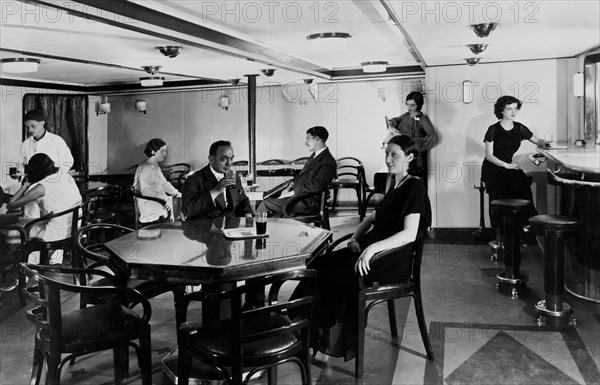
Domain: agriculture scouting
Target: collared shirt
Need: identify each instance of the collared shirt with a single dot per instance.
(319, 151)
(50, 144)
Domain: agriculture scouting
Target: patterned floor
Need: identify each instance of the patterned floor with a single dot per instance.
(479, 336)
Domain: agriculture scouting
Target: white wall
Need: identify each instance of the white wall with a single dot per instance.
(547, 110)
(190, 121)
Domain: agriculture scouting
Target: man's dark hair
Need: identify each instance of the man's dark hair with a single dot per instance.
(318, 132)
(153, 146)
(504, 101)
(37, 115)
(212, 151)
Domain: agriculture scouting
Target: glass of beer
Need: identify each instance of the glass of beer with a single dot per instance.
(261, 222)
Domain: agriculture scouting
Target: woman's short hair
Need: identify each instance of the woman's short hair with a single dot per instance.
(409, 146)
(417, 97)
(504, 101)
(153, 146)
(40, 166)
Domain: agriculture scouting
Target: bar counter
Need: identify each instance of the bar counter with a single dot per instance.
(575, 173)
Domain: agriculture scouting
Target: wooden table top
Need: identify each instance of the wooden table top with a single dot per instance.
(195, 252)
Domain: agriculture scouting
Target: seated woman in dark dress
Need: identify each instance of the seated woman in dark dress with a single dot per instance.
(403, 215)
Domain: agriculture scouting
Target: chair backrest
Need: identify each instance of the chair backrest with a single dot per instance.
(299, 161)
(48, 314)
(321, 216)
(273, 162)
(103, 204)
(138, 195)
(89, 244)
(177, 173)
(276, 309)
(415, 276)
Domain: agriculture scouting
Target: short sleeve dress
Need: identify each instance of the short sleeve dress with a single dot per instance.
(502, 183)
(334, 324)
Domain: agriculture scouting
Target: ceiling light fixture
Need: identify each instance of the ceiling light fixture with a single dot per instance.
(477, 48)
(472, 60)
(170, 50)
(19, 65)
(268, 72)
(329, 35)
(374, 66)
(483, 29)
(152, 81)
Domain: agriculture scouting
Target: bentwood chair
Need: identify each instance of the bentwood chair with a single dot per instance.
(258, 339)
(34, 244)
(85, 240)
(177, 173)
(103, 204)
(321, 216)
(108, 324)
(375, 293)
(11, 255)
(350, 175)
(138, 196)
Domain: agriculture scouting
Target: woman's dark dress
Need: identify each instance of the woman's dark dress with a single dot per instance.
(502, 183)
(334, 322)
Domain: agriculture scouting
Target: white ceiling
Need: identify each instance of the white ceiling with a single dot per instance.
(95, 43)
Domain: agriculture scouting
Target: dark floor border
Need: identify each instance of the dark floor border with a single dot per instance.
(434, 370)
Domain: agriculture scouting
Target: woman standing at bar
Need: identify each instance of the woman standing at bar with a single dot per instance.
(504, 178)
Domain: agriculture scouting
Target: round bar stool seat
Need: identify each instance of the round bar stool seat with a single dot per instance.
(511, 281)
(555, 228)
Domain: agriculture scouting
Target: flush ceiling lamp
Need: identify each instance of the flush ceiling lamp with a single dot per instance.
(331, 36)
(328, 40)
(152, 81)
(472, 60)
(374, 66)
(477, 48)
(19, 65)
(483, 29)
(170, 50)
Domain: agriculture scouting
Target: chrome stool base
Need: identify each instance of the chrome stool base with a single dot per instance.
(555, 317)
(512, 286)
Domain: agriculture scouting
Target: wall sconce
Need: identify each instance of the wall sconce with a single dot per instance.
(467, 91)
(140, 106)
(578, 84)
(103, 106)
(381, 94)
(224, 102)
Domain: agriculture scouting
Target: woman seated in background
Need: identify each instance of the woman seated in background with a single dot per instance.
(504, 178)
(150, 181)
(403, 215)
(53, 192)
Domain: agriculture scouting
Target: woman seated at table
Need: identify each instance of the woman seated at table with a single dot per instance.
(53, 192)
(403, 215)
(150, 181)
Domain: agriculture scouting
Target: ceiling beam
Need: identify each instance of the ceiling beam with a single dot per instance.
(186, 33)
(411, 46)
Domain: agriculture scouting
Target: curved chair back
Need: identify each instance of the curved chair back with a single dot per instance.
(177, 173)
(256, 338)
(103, 204)
(138, 196)
(321, 216)
(109, 324)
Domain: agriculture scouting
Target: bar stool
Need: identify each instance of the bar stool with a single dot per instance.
(555, 228)
(511, 280)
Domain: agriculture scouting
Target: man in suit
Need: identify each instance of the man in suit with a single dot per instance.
(215, 190)
(316, 175)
